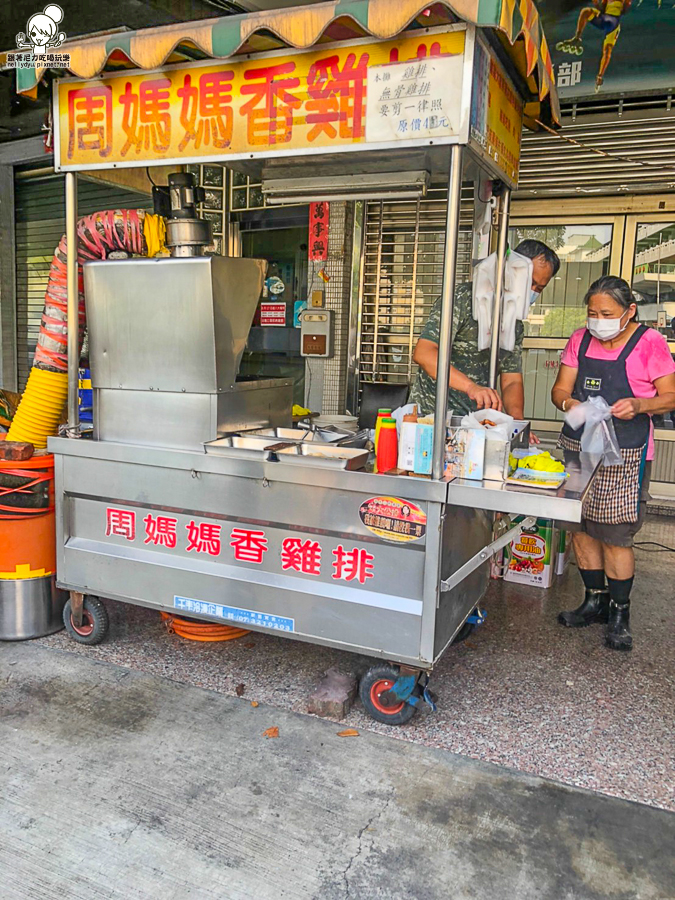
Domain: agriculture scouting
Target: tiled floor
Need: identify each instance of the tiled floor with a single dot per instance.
(522, 692)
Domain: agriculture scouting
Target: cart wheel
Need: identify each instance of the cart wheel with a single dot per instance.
(376, 682)
(94, 625)
(464, 632)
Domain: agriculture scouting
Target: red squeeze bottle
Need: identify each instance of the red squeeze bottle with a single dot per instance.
(387, 446)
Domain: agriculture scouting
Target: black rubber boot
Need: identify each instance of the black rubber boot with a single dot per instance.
(617, 633)
(595, 608)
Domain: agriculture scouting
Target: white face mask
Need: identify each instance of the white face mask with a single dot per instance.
(534, 296)
(606, 329)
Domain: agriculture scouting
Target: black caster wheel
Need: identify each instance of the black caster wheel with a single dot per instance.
(464, 632)
(94, 625)
(376, 682)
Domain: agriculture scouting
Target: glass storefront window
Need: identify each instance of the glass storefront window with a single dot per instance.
(584, 252)
(654, 270)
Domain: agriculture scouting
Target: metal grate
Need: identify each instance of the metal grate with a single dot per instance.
(664, 461)
(402, 277)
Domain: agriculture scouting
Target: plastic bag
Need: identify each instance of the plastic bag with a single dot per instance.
(598, 435)
(503, 424)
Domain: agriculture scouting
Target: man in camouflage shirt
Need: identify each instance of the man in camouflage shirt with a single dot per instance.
(470, 367)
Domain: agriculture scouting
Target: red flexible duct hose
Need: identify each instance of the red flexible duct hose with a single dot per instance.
(97, 235)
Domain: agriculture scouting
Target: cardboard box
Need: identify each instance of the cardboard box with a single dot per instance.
(424, 448)
(465, 452)
(531, 556)
(406, 446)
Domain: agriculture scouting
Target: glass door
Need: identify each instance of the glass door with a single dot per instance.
(588, 247)
(649, 266)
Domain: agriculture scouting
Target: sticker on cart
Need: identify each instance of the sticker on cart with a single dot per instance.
(393, 519)
(231, 614)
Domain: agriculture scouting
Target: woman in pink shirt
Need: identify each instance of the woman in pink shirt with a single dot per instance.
(630, 366)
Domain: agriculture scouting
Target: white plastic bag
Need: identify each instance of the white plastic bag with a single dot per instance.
(502, 429)
(598, 436)
(516, 301)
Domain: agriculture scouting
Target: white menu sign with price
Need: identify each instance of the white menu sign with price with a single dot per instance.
(419, 99)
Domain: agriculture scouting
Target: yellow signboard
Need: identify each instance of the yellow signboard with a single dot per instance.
(341, 97)
(496, 114)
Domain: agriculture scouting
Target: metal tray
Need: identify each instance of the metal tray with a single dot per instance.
(242, 447)
(323, 455)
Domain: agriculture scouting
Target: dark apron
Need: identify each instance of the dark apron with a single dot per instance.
(615, 494)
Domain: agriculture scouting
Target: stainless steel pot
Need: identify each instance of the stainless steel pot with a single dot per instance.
(30, 608)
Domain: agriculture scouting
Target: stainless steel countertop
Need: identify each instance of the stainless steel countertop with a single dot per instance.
(194, 461)
(563, 504)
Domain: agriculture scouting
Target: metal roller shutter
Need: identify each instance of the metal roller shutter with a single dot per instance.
(642, 134)
(402, 277)
(40, 224)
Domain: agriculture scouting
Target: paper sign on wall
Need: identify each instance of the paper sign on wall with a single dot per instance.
(273, 314)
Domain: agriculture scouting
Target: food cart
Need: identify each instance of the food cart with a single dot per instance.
(176, 504)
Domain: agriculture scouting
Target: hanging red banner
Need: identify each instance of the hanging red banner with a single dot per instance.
(318, 231)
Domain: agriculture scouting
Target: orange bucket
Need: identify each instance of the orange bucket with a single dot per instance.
(27, 518)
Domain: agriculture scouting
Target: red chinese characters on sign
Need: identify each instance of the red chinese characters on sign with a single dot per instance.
(270, 111)
(147, 118)
(422, 52)
(203, 537)
(352, 565)
(301, 556)
(249, 546)
(298, 554)
(319, 214)
(206, 111)
(120, 522)
(336, 97)
(90, 120)
(160, 531)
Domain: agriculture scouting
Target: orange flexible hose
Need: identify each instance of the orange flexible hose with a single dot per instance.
(201, 631)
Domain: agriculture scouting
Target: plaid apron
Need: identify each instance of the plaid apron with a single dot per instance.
(614, 496)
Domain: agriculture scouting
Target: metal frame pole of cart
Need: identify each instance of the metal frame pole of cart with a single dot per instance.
(72, 307)
(421, 588)
(447, 304)
(502, 238)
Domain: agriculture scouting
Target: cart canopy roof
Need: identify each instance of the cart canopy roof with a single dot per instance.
(515, 25)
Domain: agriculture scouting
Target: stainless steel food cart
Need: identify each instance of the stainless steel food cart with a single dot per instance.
(163, 509)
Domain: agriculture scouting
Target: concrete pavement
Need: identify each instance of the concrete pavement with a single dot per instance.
(117, 784)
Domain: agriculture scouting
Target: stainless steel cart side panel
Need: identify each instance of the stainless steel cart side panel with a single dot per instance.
(381, 617)
(399, 613)
(465, 532)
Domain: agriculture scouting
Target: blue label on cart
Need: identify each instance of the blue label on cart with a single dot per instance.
(231, 614)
